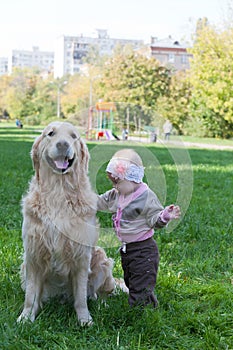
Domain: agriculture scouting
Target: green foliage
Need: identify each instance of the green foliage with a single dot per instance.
(211, 80)
(175, 104)
(197, 102)
(27, 97)
(134, 79)
(194, 284)
(76, 96)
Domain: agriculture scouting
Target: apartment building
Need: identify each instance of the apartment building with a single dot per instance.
(3, 65)
(171, 53)
(43, 60)
(70, 50)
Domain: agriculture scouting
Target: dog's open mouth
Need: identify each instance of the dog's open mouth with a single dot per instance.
(60, 165)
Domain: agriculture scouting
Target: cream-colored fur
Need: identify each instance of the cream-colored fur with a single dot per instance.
(59, 224)
(100, 279)
(100, 282)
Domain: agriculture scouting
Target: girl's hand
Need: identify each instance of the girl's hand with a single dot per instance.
(170, 212)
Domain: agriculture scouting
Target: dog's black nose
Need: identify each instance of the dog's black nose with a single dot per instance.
(62, 146)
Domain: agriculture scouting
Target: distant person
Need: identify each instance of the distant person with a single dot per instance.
(153, 136)
(167, 129)
(18, 124)
(125, 134)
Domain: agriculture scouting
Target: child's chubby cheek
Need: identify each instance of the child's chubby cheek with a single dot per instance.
(125, 187)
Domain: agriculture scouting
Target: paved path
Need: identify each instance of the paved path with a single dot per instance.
(204, 145)
(185, 143)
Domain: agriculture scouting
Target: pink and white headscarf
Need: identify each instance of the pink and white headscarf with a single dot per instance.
(125, 169)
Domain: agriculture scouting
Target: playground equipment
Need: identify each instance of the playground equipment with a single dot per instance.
(101, 121)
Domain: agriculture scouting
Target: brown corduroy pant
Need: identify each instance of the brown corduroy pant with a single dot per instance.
(140, 264)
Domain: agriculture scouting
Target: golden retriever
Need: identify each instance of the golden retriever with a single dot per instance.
(59, 226)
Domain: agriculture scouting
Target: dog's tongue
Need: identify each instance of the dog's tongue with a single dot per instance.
(61, 164)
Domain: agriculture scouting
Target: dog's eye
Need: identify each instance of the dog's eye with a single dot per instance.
(51, 133)
(74, 136)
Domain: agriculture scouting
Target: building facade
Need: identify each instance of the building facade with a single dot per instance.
(43, 60)
(3, 65)
(70, 50)
(171, 53)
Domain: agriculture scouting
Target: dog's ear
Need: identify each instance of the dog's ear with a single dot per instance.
(35, 155)
(84, 155)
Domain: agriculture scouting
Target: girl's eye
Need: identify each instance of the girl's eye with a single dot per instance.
(51, 133)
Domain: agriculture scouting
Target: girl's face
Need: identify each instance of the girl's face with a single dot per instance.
(123, 186)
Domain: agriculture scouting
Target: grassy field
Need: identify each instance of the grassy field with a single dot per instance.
(195, 280)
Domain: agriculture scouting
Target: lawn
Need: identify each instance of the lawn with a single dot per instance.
(195, 279)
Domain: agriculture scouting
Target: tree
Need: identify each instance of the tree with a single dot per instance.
(175, 105)
(80, 93)
(211, 79)
(27, 96)
(4, 85)
(135, 80)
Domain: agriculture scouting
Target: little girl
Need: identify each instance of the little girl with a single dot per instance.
(137, 211)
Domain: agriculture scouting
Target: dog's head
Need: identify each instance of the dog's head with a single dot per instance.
(60, 147)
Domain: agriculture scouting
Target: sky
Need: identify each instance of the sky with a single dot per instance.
(28, 23)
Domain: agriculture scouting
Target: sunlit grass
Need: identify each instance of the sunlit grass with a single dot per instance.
(194, 285)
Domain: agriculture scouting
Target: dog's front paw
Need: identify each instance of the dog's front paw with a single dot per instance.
(93, 296)
(84, 316)
(85, 323)
(26, 317)
(85, 320)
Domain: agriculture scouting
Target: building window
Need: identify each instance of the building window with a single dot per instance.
(184, 59)
(171, 58)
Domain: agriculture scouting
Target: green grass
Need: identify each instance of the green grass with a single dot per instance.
(208, 140)
(194, 285)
